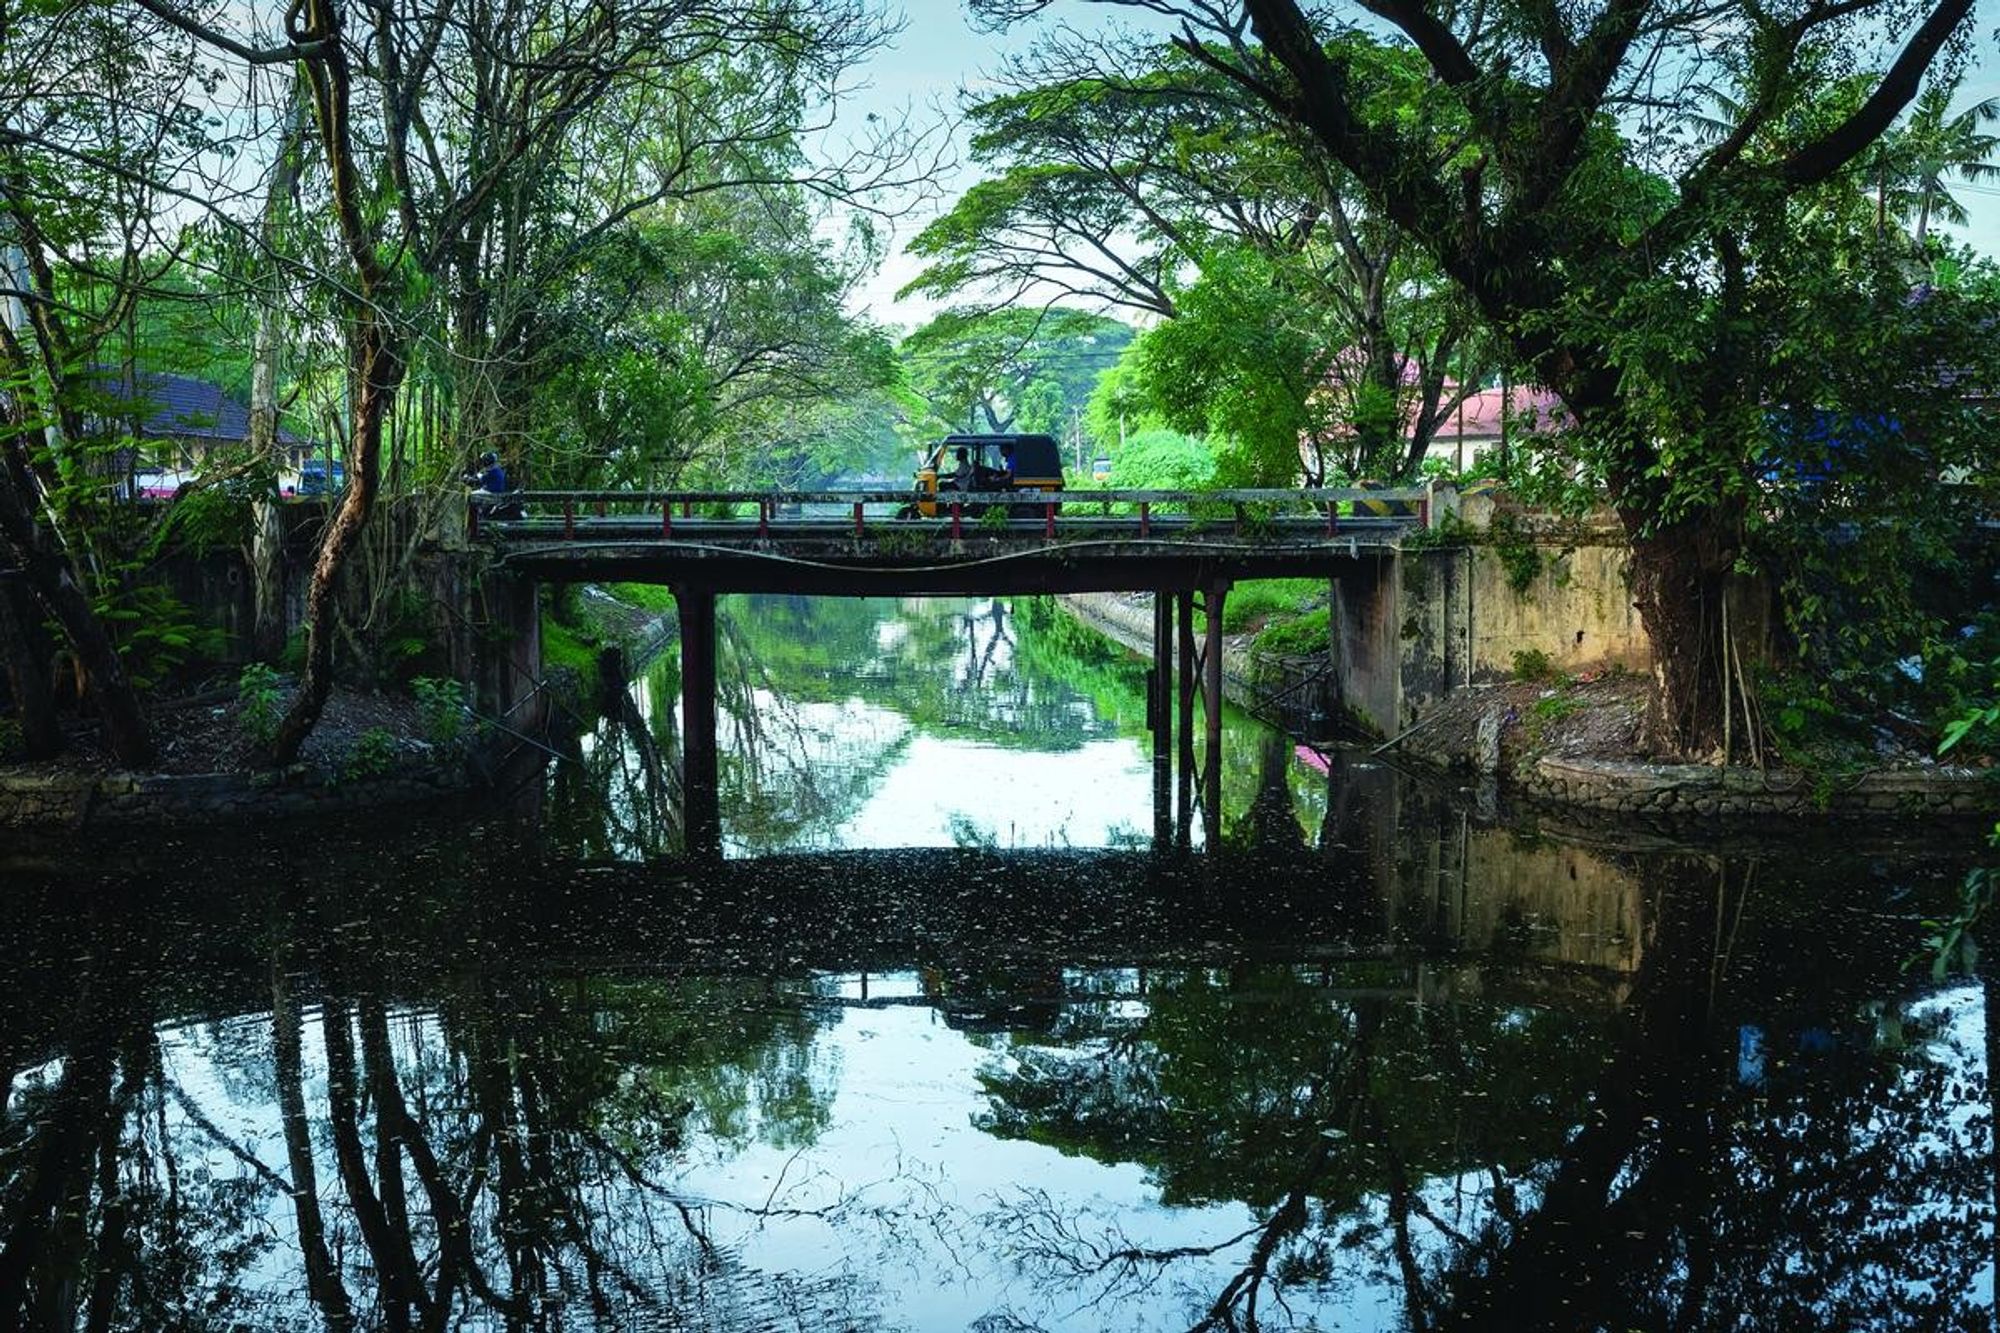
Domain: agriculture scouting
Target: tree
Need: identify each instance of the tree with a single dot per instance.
(1016, 370)
(1137, 176)
(468, 184)
(97, 122)
(1581, 219)
(1934, 145)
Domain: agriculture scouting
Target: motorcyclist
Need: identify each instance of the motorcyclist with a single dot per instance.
(488, 480)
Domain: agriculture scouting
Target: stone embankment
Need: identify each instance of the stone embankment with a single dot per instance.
(68, 798)
(1631, 787)
(1579, 758)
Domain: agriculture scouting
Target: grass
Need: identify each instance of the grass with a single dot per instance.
(1296, 636)
(653, 597)
(564, 646)
(1257, 601)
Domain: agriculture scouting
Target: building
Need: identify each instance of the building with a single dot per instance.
(178, 424)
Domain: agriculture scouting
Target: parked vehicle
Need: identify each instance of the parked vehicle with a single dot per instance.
(1015, 463)
(318, 476)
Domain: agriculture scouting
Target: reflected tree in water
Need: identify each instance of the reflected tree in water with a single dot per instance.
(1519, 1166)
(507, 1156)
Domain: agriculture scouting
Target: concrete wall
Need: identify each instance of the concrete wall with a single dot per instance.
(1433, 618)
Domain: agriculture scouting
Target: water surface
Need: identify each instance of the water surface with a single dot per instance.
(948, 1043)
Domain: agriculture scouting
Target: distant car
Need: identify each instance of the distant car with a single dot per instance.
(1016, 463)
(317, 476)
(1100, 468)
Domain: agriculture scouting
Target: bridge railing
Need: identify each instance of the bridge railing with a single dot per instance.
(765, 510)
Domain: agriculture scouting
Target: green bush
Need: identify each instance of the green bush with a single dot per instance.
(373, 754)
(257, 689)
(653, 597)
(1532, 664)
(441, 704)
(157, 632)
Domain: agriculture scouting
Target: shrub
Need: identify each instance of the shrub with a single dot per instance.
(1532, 664)
(257, 689)
(441, 704)
(373, 754)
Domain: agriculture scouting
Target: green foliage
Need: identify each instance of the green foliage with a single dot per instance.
(1448, 530)
(1014, 369)
(1162, 460)
(995, 519)
(372, 755)
(156, 632)
(1300, 636)
(441, 705)
(1555, 707)
(1234, 366)
(257, 699)
(564, 646)
(1256, 600)
(654, 597)
(1532, 664)
(1518, 552)
(1812, 732)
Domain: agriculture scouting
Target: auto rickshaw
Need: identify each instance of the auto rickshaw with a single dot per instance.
(998, 463)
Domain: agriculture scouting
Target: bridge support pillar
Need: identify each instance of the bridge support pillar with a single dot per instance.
(1211, 705)
(701, 811)
(1184, 719)
(1160, 697)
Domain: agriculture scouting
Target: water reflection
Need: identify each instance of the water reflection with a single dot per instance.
(1413, 1072)
(914, 723)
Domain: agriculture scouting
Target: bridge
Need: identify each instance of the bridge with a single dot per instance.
(854, 544)
(865, 543)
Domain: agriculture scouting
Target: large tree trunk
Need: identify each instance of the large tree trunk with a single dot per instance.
(374, 356)
(1678, 577)
(53, 583)
(27, 672)
(380, 373)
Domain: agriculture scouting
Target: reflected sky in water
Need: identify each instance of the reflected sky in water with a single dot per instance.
(1377, 1062)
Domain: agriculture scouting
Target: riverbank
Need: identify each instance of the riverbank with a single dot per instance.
(369, 750)
(1574, 743)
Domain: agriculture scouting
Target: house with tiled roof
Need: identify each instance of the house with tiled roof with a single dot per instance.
(178, 422)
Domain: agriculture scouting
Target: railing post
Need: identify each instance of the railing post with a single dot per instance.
(569, 520)
(957, 520)
(1424, 512)
(1332, 517)
(1236, 511)
(687, 509)
(471, 518)
(1049, 525)
(600, 508)
(857, 518)
(763, 517)
(667, 519)
(1145, 518)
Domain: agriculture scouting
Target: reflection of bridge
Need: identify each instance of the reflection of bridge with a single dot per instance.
(1174, 544)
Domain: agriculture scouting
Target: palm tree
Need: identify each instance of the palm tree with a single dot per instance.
(1930, 148)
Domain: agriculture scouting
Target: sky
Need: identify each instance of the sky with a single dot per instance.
(938, 56)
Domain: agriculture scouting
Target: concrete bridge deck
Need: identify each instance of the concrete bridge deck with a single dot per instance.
(851, 543)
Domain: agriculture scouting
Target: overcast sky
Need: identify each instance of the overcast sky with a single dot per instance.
(938, 56)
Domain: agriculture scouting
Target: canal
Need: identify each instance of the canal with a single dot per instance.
(945, 1041)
